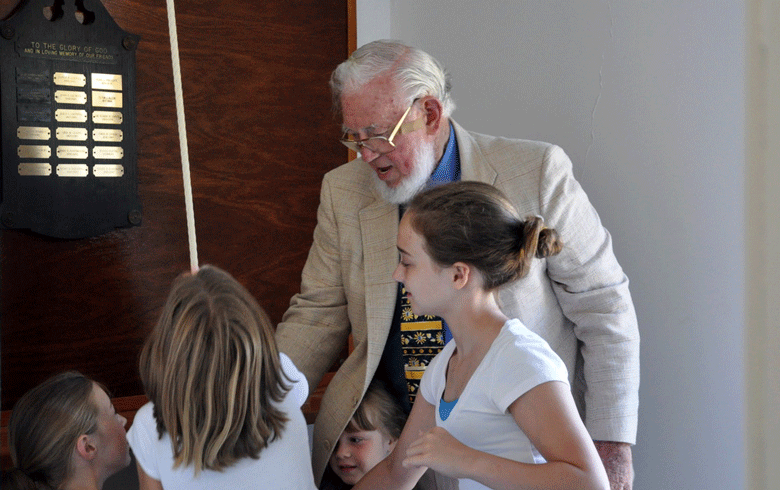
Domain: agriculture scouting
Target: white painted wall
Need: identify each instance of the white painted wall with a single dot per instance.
(762, 198)
(648, 99)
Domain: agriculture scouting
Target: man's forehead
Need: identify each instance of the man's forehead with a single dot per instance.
(369, 109)
(375, 121)
(371, 128)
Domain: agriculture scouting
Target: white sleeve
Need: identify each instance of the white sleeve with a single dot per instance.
(523, 365)
(144, 441)
(300, 388)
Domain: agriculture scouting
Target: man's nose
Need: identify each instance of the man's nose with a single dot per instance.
(367, 154)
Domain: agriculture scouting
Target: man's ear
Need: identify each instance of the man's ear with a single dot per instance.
(85, 447)
(461, 274)
(432, 109)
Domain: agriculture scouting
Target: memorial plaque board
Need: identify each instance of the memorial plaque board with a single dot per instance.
(67, 97)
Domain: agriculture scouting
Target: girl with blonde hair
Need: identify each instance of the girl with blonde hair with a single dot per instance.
(224, 405)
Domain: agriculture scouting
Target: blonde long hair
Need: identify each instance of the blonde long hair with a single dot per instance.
(211, 367)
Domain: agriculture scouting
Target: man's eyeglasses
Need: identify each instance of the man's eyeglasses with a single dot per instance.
(384, 144)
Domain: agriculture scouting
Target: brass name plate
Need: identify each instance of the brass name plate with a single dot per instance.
(106, 99)
(108, 152)
(70, 97)
(33, 133)
(106, 81)
(108, 170)
(70, 115)
(72, 153)
(72, 170)
(72, 134)
(33, 151)
(35, 169)
(106, 117)
(70, 79)
(112, 135)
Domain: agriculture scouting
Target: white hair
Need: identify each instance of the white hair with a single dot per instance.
(417, 73)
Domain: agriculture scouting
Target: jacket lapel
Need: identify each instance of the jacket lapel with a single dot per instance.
(473, 164)
(379, 230)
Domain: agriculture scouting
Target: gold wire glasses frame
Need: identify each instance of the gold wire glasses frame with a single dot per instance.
(384, 144)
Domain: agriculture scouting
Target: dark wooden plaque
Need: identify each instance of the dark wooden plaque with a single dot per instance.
(67, 91)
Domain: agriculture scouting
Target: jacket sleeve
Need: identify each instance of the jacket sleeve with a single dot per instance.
(315, 327)
(592, 290)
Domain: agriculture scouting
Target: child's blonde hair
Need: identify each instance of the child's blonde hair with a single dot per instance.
(211, 367)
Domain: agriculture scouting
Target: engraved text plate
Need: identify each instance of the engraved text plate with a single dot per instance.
(110, 135)
(35, 169)
(70, 79)
(106, 81)
(72, 170)
(108, 152)
(72, 152)
(33, 151)
(70, 115)
(33, 133)
(106, 99)
(101, 170)
(72, 134)
(70, 97)
(107, 117)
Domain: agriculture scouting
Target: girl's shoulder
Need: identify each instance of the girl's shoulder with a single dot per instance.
(516, 335)
(517, 346)
(143, 417)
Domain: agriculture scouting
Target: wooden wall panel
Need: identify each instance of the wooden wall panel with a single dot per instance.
(261, 135)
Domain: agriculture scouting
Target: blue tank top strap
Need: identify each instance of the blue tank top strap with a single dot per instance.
(445, 408)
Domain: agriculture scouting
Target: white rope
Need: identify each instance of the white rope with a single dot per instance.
(185, 159)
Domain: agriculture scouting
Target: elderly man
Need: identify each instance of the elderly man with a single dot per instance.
(395, 104)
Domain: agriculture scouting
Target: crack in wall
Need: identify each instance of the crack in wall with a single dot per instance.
(592, 141)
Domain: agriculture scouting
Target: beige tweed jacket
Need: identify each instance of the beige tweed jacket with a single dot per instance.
(578, 300)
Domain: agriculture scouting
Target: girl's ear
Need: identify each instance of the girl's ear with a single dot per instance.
(85, 447)
(461, 274)
(389, 444)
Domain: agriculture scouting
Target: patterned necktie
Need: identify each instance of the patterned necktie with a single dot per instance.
(421, 339)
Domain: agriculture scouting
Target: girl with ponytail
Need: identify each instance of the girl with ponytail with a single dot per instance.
(495, 409)
(65, 434)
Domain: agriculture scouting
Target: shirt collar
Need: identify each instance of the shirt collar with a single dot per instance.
(448, 169)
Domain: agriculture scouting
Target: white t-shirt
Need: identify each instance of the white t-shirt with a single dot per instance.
(284, 465)
(517, 361)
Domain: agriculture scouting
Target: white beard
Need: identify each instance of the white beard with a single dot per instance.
(409, 186)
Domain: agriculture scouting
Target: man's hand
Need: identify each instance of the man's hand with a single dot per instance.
(617, 461)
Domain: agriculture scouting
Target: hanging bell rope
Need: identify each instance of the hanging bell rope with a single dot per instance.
(185, 159)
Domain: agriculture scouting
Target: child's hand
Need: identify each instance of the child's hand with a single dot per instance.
(439, 450)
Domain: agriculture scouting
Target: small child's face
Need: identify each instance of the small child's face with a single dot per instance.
(357, 452)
